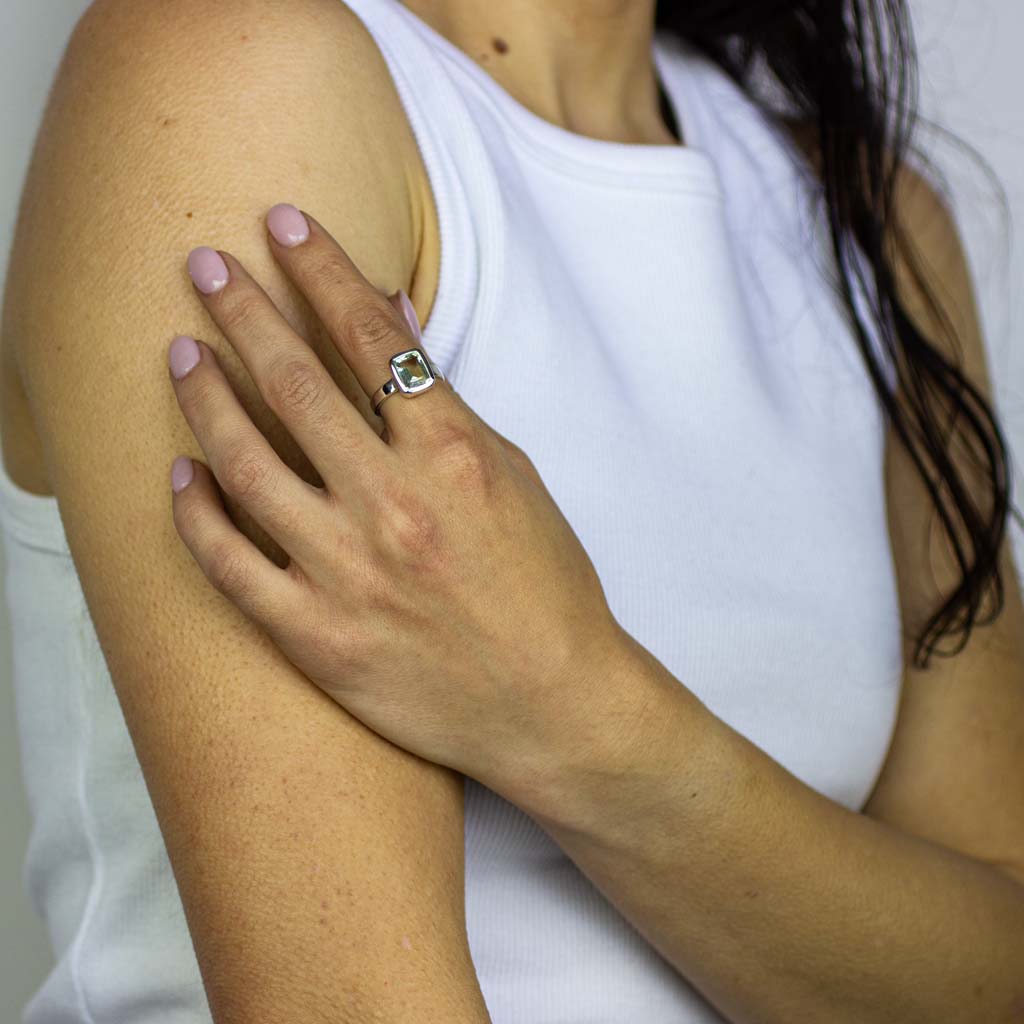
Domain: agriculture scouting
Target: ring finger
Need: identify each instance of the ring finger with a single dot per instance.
(364, 325)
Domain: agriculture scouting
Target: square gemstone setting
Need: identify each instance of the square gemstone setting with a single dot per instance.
(411, 371)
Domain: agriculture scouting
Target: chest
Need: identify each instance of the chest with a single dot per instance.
(702, 417)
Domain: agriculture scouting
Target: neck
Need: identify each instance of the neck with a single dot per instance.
(584, 65)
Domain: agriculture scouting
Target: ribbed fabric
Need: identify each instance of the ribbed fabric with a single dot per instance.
(652, 325)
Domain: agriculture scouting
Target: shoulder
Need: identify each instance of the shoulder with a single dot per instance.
(175, 125)
(288, 97)
(934, 282)
(920, 196)
(928, 257)
(922, 230)
(312, 33)
(241, 45)
(305, 72)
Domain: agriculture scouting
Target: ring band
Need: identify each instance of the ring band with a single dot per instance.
(411, 373)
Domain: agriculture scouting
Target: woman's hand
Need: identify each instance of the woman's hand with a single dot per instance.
(434, 588)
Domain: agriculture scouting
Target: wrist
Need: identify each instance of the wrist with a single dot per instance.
(626, 729)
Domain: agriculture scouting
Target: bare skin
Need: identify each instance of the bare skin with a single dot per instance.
(584, 65)
(604, 90)
(295, 833)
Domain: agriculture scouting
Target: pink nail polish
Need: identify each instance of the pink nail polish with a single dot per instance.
(287, 225)
(182, 472)
(409, 310)
(183, 355)
(207, 270)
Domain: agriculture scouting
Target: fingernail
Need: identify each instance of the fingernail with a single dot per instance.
(183, 355)
(409, 311)
(182, 472)
(287, 224)
(207, 270)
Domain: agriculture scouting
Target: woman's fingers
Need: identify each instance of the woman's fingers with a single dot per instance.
(229, 560)
(293, 381)
(364, 325)
(242, 459)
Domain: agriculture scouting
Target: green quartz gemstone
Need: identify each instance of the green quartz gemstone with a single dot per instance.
(411, 369)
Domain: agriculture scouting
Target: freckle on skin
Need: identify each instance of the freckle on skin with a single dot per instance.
(189, 214)
(499, 44)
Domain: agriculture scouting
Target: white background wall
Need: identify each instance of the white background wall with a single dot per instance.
(972, 82)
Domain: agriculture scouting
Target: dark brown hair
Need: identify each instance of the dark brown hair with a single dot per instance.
(848, 67)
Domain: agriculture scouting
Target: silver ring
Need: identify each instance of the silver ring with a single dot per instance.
(411, 373)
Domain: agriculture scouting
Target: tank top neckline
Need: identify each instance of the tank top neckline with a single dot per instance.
(686, 166)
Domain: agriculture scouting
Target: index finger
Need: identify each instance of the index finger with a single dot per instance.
(364, 325)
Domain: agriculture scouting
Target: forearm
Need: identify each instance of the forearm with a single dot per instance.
(775, 902)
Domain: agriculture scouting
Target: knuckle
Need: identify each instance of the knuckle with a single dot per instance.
(189, 513)
(283, 517)
(241, 311)
(244, 472)
(370, 327)
(465, 458)
(379, 593)
(347, 656)
(412, 527)
(450, 438)
(521, 460)
(199, 391)
(228, 570)
(295, 386)
(339, 642)
(327, 273)
(300, 628)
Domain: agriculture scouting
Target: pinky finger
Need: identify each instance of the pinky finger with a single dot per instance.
(235, 566)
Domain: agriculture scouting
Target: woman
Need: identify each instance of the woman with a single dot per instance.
(647, 559)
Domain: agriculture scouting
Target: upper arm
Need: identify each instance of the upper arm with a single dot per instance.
(320, 867)
(954, 767)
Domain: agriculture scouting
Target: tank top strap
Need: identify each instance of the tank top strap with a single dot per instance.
(773, 196)
(455, 162)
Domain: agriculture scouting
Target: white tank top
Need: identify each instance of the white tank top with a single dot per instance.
(651, 325)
